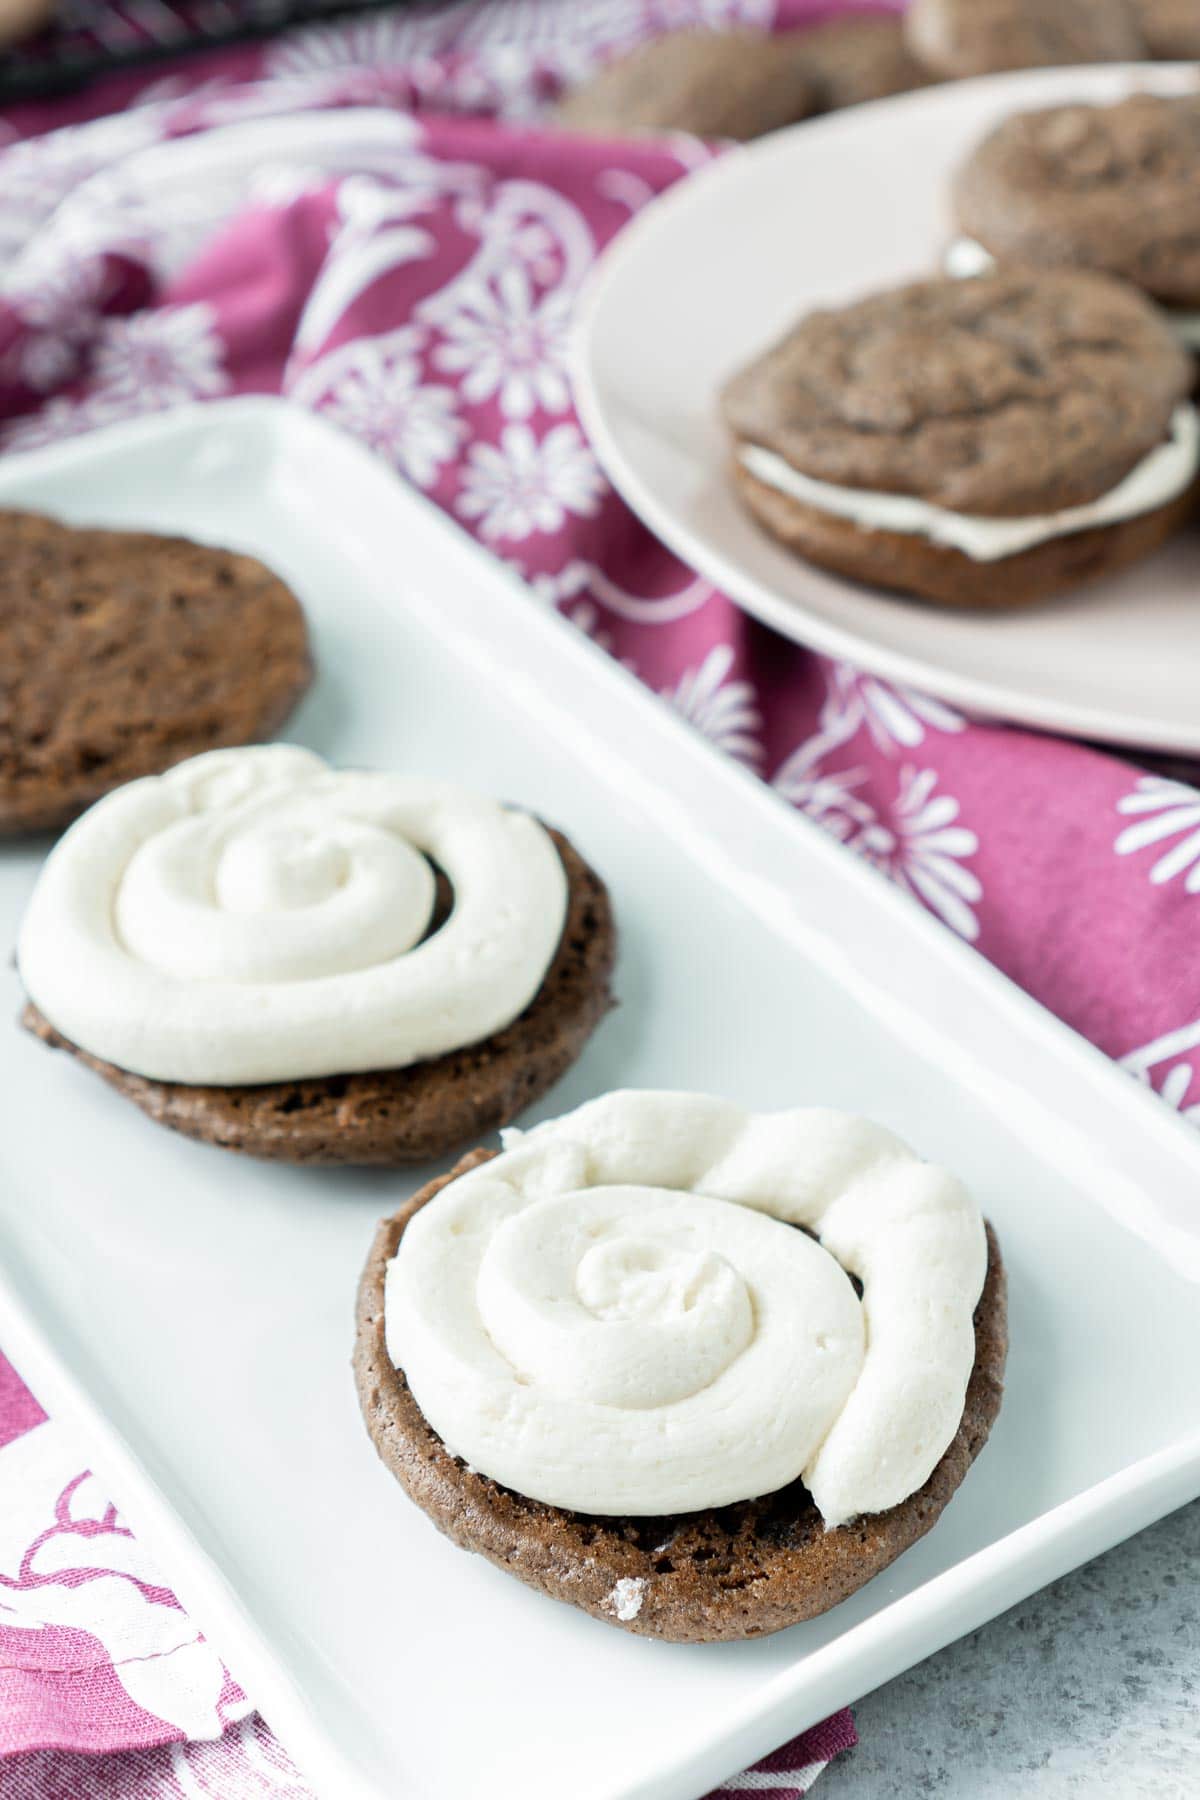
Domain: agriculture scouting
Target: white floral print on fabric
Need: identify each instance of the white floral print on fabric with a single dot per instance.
(379, 230)
(68, 1563)
(897, 717)
(578, 576)
(522, 485)
(61, 417)
(922, 846)
(246, 1764)
(522, 224)
(150, 360)
(141, 362)
(38, 172)
(1168, 1064)
(504, 341)
(61, 296)
(41, 361)
(1168, 819)
(725, 711)
(502, 41)
(374, 389)
(830, 797)
(920, 842)
(374, 41)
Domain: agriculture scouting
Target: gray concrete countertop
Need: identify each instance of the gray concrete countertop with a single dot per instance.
(1091, 1687)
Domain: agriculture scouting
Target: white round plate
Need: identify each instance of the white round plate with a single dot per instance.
(710, 273)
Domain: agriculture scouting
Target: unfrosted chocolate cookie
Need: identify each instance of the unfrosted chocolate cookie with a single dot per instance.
(975, 37)
(1014, 397)
(735, 84)
(1097, 187)
(393, 1116)
(1171, 28)
(859, 57)
(122, 653)
(735, 1572)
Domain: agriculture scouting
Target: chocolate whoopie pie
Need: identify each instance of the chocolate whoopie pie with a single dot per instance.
(263, 960)
(986, 442)
(735, 1571)
(977, 37)
(1114, 188)
(734, 84)
(122, 653)
(859, 57)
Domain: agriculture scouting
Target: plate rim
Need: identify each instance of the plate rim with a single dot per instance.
(984, 700)
(1133, 1497)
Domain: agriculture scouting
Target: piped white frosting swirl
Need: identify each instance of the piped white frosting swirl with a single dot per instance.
(615, 1316)
(254, 915)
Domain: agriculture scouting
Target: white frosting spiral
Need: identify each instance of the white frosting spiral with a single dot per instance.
(615, 1316)
(254, 915)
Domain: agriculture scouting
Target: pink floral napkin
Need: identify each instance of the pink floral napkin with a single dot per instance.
(353, 226)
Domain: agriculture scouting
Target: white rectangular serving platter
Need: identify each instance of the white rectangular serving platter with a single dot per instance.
(191, 1312)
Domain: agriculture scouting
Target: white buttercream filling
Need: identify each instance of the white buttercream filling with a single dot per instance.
(254, 915)
(616, 1316)
(967, 256)
(1165, 472)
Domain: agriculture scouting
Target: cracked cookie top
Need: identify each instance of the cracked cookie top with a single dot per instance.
(1099, 187)
(1011, 394)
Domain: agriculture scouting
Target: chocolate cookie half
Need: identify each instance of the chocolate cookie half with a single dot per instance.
(985, 442)
(122, 653)
(1114, 188)
(735, 84)
(735, 1572)
(413, 1114)
(976, 37)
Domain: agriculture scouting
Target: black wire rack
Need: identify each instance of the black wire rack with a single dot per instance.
(97, 37)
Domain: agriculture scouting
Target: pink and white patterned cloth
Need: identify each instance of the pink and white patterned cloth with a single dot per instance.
(367, 217)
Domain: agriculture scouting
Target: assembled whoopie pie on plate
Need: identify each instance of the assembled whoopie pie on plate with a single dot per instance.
(700, 1372)
(977, 37)
(1114, 188)
(982, 442)
(315, 965)
(122, 652)
(715, 84)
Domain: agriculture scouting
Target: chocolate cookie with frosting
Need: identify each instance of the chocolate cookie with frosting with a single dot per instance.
(1114, 188)
(698, 1372)
(985, 442)
(317, 966)
(122, 652)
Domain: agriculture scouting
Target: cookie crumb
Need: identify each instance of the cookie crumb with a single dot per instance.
(626, 1598)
